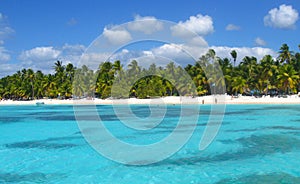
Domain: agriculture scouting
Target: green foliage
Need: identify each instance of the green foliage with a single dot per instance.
(280, 75)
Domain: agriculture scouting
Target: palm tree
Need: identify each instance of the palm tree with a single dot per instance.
(288, 78)
(285, 55)
(248, 69)
(58, 66)
(31, 77)
(133, 68)
(70, 70)
(233, 54)
(59, 73)
(266, 72)
(239, 84)
(117, 66)
(38, 83)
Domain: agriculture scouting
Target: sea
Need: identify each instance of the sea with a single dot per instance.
(52, 144)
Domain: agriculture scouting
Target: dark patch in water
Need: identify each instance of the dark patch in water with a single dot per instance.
(272, 178)
(296, 133)
(244, 130)
(67, 138)
(251, 119)
(265, 128)
(57, 118)
(252, 146)
(39, 144)
(49, 113)
(283, 107)
(282, 128)
(45, 144)
(8, 119)
(35, 177)
(226, 113)
(166, 129)
(141, 111)
(237, 113)
(109, 118)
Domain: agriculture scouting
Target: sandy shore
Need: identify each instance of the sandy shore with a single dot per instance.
(218, 99)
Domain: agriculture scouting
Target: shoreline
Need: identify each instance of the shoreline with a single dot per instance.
(208, 100)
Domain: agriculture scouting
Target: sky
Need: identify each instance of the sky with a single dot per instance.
(36, 33)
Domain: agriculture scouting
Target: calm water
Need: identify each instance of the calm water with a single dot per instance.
(256, 144)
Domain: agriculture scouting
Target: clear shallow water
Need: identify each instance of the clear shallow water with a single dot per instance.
(256, 144)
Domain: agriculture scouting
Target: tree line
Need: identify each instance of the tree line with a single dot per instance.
(273, 76)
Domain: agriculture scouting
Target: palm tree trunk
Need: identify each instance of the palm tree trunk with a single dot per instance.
(32, 88)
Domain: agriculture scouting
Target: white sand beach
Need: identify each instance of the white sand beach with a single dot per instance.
(217, 99)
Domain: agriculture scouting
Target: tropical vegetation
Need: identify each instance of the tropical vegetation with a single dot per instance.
(273, 76)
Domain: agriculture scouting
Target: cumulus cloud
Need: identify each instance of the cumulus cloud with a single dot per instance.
(42, 58)
(5, 29)
(40, 54)
(283, 17)
(147, 25)
(116, 36)
(258, 52)
(184, 54)
(197, 41)
(71, 53)
(232, 27)
(7, 69)
(93, 59)
(187, 53)
(4, 55)
(260, 42)
(199, 24)
(5, 32)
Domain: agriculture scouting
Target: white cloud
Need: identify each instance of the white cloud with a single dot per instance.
(284, 17)
(232, 27)
(39, 54)
(260, 42)
(4, 55)
(168, 50)
(199, 24)
(71, 53)
(8, 69)
(258, 52)
(92, 60)
(117, 36)
(185, 54)
(43, 58)
(197, 41)
(70, 49)
(147, 25)
(5, 29)
(180, 53)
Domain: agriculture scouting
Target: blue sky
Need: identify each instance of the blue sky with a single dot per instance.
(36, 33)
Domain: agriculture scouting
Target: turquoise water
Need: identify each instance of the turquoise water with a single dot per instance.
(256, 144)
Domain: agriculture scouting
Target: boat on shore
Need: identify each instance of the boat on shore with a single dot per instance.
(40, 103)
